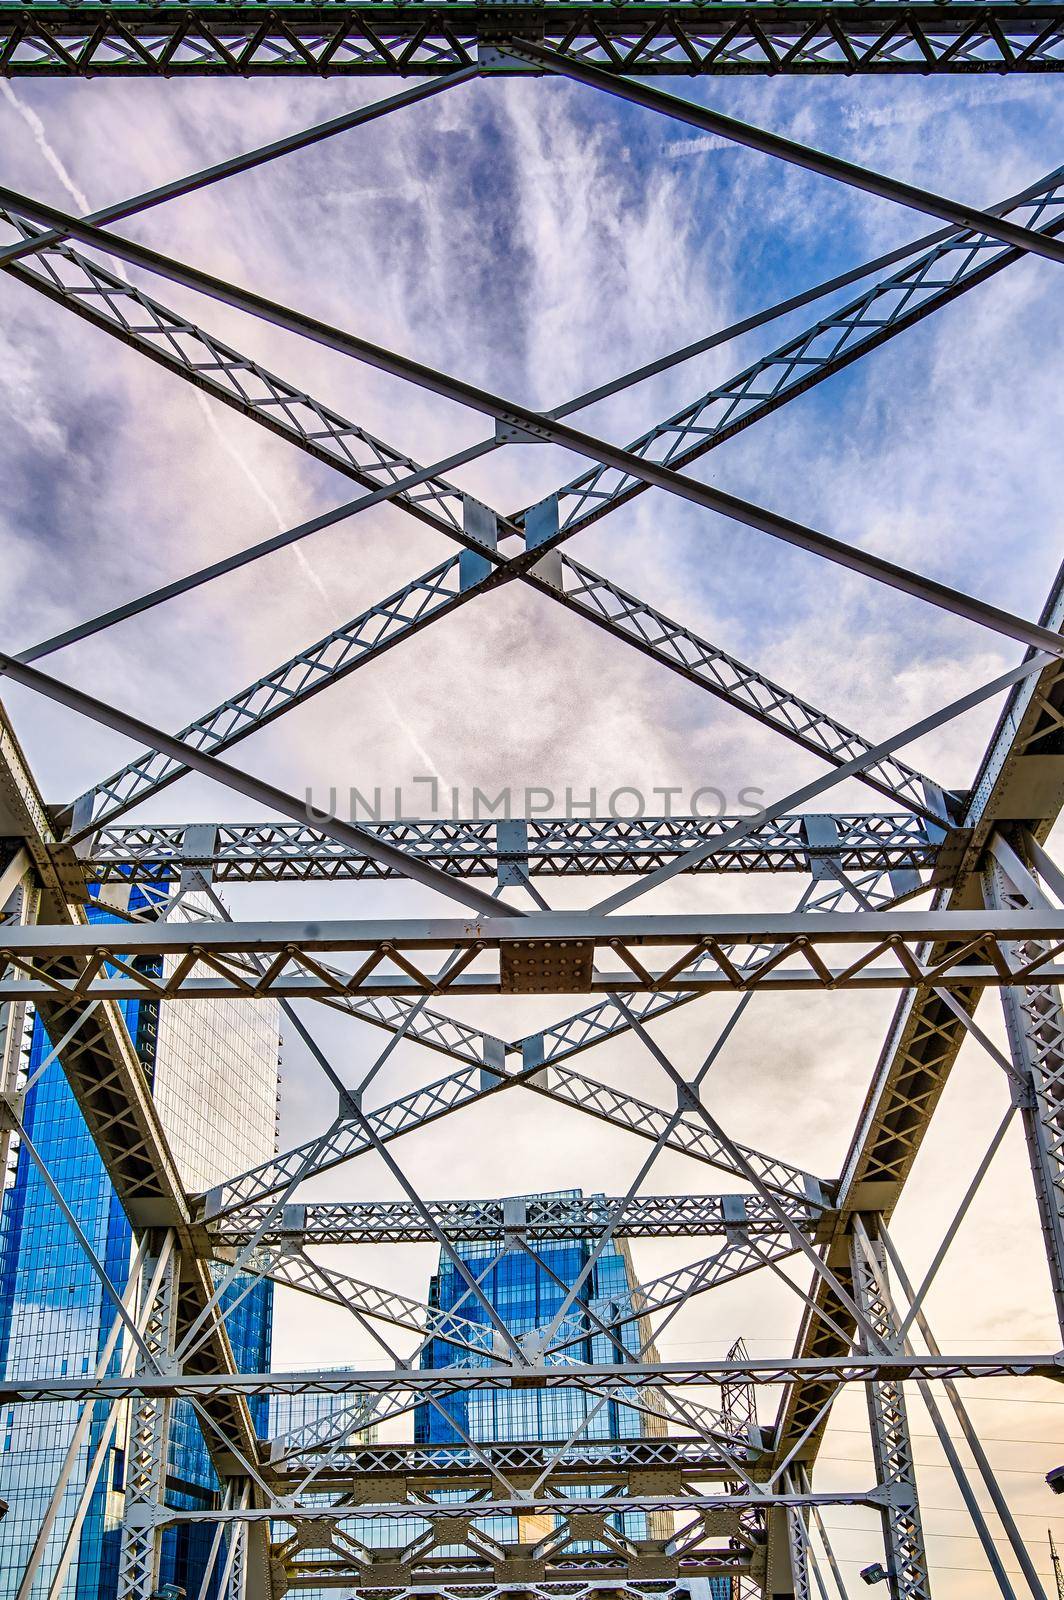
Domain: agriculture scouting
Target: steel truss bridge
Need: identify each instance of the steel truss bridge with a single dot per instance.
(947, 897)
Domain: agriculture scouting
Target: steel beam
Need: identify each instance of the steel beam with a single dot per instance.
(585, 1579)
(545, 953)
(1034, 1021)
(394, 1469)
(280, 852)
(892, 1452)
(559, 1504)
(880, 1368)
(381, 37)
(540, 1220)
(147, 1444)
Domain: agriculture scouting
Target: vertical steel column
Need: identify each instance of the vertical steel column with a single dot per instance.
(1034, 1020)
(235, 1573)
(237, 1586)
(148, 1440)
(782, 1578)
(798, 1536)
(891, 1445)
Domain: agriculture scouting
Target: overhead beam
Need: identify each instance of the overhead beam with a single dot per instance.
(539, 1219)
(384, 38)
(896, 1367)
(541, 930)
(544, 953)
(556, 846)
(596, 1460)
(554, 1505)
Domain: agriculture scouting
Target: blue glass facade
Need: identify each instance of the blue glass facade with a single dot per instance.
(55, 1318)
(527, 1296)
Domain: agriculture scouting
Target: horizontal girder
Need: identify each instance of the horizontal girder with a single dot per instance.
(557, 1503)
(585, 1461)
(538, 1220)
(273, 852)
(583, 1573)
(462, 1578)
(474, 1578)
(585, 1579)
(546, 953)
(888, 1368)
(383, 37)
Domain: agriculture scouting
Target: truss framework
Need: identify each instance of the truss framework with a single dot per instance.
(717, 1493)
(267, 852)
(43, 38)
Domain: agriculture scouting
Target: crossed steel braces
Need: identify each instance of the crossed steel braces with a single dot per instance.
(995, 919)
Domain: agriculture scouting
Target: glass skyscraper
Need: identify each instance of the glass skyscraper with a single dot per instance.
(527, 1295)
(212, 1067)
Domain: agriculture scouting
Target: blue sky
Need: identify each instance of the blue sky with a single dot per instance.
(537, 238)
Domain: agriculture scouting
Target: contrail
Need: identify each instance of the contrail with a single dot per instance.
(415, 740)
(47, 149)
(54, 160)
(237, 456)
(695, 147)
(910, 113)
